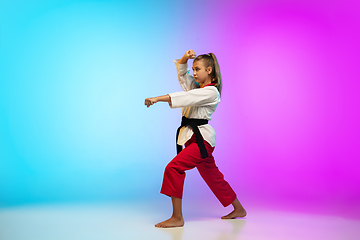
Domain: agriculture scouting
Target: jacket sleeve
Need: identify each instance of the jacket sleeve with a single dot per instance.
(195, 97)
(187, 82)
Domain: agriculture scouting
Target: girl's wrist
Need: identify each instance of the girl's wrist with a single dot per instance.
(184, 59)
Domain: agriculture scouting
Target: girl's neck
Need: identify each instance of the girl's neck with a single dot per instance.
(208, 81)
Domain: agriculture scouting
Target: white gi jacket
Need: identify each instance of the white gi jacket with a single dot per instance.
(195, 102)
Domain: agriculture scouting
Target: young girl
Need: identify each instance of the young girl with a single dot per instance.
(198, 101)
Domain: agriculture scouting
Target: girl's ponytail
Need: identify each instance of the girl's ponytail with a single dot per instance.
(217, 80)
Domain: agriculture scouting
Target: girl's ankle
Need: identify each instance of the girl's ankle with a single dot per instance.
(177, 217)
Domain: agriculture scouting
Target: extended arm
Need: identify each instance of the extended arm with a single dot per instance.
(151, 101)
(208, 96)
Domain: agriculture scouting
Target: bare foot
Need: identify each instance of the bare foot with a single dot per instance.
(234, 214)
(171, 222)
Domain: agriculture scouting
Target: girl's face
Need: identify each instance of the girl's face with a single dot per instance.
(201, 73)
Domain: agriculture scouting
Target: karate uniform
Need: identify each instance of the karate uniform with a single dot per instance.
(198, 103)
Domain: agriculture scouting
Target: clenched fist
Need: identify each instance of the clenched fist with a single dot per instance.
(150, 101)
(190, 54)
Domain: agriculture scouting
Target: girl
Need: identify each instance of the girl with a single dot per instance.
(198, 101)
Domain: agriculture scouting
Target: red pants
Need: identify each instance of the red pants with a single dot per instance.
(189, 158)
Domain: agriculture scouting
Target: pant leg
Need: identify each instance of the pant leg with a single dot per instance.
(174, 175)
(216, 182)
(189, 158)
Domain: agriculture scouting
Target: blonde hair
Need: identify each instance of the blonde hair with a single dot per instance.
(210, 60)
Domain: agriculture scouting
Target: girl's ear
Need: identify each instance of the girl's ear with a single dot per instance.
(209, 70)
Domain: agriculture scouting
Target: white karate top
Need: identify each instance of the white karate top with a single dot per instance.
(195, 102)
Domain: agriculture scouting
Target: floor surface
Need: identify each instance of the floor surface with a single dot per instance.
(129, 221)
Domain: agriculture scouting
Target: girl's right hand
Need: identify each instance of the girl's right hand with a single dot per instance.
(190, 54)
(150, 101)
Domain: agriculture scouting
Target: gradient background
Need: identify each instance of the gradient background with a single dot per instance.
(74, 76)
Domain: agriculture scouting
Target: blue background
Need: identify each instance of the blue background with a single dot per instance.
(74, 76)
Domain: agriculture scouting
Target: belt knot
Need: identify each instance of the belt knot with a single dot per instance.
(193, 123)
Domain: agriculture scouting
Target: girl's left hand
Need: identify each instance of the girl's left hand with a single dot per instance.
(150, 101)
(191, 54)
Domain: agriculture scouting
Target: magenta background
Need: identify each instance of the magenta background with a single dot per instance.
(288, 124)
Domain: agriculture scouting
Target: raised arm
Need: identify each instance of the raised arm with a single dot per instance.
(186, 80)
(190, 54)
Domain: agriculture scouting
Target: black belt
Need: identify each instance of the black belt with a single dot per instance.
(193, 123)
